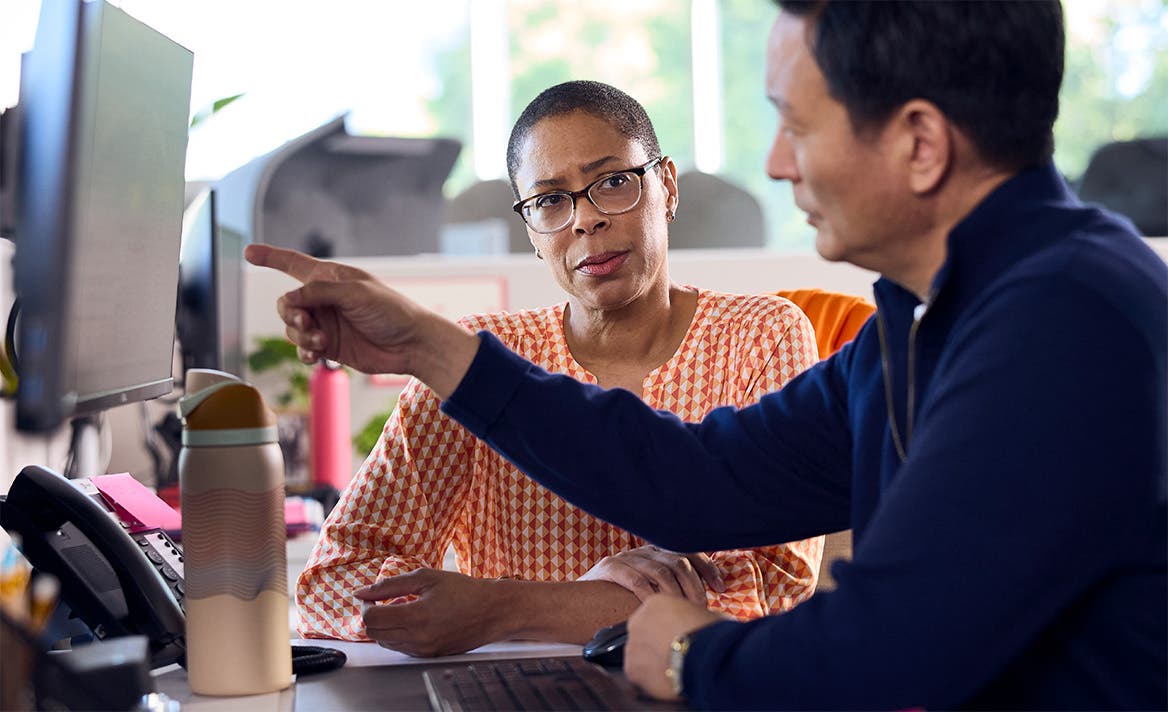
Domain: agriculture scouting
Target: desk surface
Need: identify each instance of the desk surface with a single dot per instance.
(349, 688)
(373, 678)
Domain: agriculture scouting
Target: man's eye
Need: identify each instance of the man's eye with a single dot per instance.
(548, 201)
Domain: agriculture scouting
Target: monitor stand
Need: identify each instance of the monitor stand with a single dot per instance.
(85, 448)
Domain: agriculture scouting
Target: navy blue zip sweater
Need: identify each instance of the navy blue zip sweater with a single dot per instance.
(1014, 555)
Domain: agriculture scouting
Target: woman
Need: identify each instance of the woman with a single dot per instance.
(597, 196)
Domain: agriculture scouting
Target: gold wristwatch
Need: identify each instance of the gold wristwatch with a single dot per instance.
(677, 650)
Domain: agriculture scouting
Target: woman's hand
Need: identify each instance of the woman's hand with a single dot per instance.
(649, 570)
(345, 314)
(450, 613)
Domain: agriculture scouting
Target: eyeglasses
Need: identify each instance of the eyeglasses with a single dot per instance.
(611, 193)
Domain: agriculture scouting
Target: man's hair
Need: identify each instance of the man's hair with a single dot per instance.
(605, 102)
(993, 67)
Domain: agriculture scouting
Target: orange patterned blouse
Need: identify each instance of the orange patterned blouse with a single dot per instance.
(429, 483)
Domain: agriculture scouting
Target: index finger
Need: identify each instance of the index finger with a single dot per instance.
(381, 621)
(290, 262)
(708, 570)
(411, 583)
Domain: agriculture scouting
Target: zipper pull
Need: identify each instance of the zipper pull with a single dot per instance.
(919, 311)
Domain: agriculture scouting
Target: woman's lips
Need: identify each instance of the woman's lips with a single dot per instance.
(603, 264)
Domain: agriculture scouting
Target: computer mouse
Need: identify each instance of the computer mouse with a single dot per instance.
(607, 647)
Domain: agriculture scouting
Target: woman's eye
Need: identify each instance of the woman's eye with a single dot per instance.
(616, 181)
(548, 201)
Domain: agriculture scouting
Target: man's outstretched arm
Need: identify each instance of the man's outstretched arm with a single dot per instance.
(618, 453)
(739, 479)
(345, 314)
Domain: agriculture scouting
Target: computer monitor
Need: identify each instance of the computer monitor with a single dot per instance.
(210, 310)
(101, 146)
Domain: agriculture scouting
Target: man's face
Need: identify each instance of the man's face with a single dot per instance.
(849, 186)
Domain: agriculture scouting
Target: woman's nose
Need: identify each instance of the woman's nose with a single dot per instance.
(588, 218)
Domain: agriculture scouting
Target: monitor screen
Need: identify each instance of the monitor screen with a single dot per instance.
(210, 311)
(101, 141)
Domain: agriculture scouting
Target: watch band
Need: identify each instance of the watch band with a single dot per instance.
(678, 647)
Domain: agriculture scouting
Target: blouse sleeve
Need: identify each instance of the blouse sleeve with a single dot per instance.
(397, 515)
(771, 579)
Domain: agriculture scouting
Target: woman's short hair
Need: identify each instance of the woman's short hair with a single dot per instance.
(601, 100)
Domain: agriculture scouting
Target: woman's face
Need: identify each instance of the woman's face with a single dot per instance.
(603, 261)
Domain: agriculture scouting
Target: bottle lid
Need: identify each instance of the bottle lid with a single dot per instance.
(222, 410)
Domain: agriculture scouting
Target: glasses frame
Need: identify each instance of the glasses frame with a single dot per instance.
(585, 192)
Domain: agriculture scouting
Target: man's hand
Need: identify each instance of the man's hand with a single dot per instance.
(451, 613)
(345, 314)
(652, 627)
(648, 570)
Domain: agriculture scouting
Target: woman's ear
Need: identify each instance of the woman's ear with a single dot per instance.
(929, 138)
(669, 180)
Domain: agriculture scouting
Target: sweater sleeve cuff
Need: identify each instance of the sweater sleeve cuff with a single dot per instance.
(488, 386)
(708, 648)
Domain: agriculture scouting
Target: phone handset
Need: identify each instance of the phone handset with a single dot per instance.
(106, 577)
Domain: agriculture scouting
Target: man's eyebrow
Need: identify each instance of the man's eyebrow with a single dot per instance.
(559, 180)
(779, 103)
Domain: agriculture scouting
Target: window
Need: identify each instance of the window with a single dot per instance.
(1115, 87)
(466, 68)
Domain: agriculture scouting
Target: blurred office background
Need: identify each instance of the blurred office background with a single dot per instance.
(465, 68)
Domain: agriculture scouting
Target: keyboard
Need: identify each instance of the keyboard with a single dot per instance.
(537, 684)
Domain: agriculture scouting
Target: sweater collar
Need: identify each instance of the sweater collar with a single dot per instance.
(996, 233)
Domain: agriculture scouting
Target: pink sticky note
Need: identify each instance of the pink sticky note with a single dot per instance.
(135, 504)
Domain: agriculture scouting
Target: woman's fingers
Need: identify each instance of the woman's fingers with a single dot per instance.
(708, 570)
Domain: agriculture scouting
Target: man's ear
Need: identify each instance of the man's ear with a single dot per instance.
(930, 133)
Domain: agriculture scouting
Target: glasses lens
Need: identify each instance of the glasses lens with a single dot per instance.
(548, 213)
(616, 193)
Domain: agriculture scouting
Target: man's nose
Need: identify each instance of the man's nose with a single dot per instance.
(780, 163)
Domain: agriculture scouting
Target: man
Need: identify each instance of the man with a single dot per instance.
(995, 437)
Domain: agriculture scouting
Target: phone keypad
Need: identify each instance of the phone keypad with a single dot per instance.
(167, 558)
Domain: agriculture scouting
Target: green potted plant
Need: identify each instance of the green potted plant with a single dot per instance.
(279, 374)
(281, 377)
(366, 438)
(277, 356)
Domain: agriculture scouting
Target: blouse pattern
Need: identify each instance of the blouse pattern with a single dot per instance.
(429, 485)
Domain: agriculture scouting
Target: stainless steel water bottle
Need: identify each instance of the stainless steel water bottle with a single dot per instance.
(231, 475)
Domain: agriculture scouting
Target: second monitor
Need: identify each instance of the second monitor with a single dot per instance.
(209, 321)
